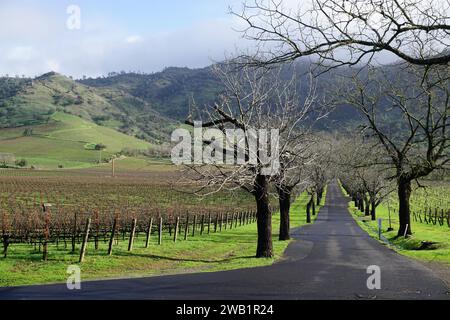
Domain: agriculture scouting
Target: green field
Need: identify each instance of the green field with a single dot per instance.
(63, 142)
(231, 249)
(437, 236)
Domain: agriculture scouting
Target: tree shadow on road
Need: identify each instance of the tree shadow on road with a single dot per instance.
(152, 256)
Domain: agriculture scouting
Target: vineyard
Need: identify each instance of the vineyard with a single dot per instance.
(68, 210)
(430, 204)
(430, 241)
(137, 224)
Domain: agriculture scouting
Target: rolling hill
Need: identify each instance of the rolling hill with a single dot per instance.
(65, 141)
(25, 102)
(169, 92)
(122, 110)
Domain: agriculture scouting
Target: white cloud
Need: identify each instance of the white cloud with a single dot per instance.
(133, 39)
(41, 42)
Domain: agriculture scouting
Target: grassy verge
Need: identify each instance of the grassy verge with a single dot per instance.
(413, 247)
(231, 249)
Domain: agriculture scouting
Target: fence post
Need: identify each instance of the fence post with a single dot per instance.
(160, 230)
(133, 231)
(448, 219)
(194, 225)
(202, 224)
(149, 232)
(97, 231)
(209, 223)
(46, 236)
(113, 235)
(85, 240)
(75, 229)
(186, 228)
(175, 234)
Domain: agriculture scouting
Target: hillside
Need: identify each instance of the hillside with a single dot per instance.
(147, 106)
(25, 102)
(67, 141)
(170, 92)
(143, 105)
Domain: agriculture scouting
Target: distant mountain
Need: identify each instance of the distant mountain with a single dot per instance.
(146, 106)
(169, 92)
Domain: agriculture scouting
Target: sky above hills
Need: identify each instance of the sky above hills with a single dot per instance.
(129, 35)
(94, 37)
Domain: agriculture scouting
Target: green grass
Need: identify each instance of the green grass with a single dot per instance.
(231, 249)
(141, 164)
(440, 252)
(63, 142)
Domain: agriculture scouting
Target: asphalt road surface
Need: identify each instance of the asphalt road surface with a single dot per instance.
(328, 260)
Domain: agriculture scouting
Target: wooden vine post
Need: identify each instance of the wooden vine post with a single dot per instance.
(85, 240)
(113, 235)
(132, 234)
(149, 232)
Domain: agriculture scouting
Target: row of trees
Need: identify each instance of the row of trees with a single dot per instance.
(256, 99)
(334, 34)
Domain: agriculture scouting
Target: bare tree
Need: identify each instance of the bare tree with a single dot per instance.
(293, 178)
(363, 172)
(407, 112)
(348, 32)
(253, 99)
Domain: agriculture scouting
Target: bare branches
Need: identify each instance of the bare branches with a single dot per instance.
(256, 99)
(348, 32)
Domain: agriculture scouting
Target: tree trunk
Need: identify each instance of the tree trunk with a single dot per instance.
(5, 245)
(367, 206)
(313, 203)
(264, 218)
(320, 196)
(285, 206)
(373, 211)
(404, 195)
(361, 204)
(308, 212)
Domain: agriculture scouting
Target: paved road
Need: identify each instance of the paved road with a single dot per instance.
(329, 260)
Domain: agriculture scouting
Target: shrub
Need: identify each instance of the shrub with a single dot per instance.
(21, 163)
(100, 146)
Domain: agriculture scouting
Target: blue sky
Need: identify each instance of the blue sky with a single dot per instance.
(130, 35)
(145, 15)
